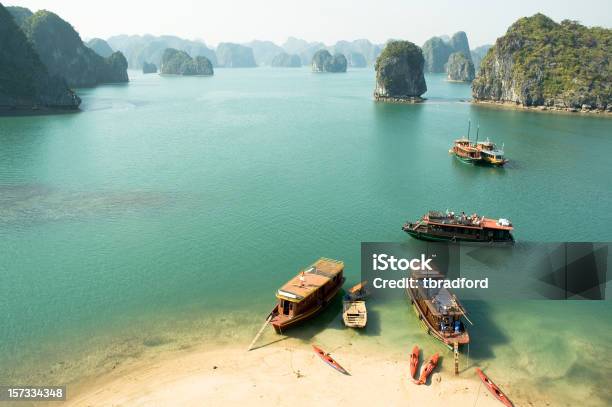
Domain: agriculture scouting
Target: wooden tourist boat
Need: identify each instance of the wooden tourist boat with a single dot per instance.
(490, 154)
(465, 151)
(306, 294)
(499, 395)
(438, 310)
(354, 312)
(438, 226)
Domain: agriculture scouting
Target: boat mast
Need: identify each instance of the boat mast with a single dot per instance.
(469, 126)
(477, 129)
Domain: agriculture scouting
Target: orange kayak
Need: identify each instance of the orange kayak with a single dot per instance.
(414, 360)
(428, 368)
(494, 389)
(329, 360)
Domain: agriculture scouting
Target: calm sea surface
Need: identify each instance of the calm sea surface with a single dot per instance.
(167, 212)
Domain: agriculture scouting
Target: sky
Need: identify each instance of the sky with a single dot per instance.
(314, 20)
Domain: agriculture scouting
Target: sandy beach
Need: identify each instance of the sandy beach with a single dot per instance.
(283, 373)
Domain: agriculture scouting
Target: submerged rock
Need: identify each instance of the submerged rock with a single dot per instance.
(459, 68)
(285, 60)
(231, 55)
(25, 83)
(149, 67)
(399, 73)
(539, 62)
(323, 61)
(175, 62)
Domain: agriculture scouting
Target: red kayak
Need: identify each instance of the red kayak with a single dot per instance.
(329, 360)
(414, 360)
(494, 389)
(428, 368)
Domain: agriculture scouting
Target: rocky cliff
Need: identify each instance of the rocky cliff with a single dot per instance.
(20, 14)
(356, 60)
(399, 73)
(231, 55)
(149, 67)
(539, 62)
(100, 46)
(459, 68)
(285, 60)
(437, 50)
(148, 48)
(304, 49)
(61, 50)
(363, 47)
(25, 83)
(478, 54)
(264, 51)
(323, 61)
(459, 43)
(176, 62)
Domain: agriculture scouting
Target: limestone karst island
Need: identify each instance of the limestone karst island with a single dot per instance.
(318, 203)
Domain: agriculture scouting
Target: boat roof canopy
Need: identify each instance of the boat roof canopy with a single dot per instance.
(441, 302)
(315, 276)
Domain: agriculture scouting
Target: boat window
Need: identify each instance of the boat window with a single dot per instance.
(286, 307)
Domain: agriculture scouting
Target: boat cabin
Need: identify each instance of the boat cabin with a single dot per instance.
(310, 288)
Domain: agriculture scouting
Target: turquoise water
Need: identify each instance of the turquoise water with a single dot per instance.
(168, 211)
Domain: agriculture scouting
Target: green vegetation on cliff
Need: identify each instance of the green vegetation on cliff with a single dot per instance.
(24, 80)
(60, 48)
(399, 72)
(176, 62)
(323, 61)
(100, 46)
(459, 68)
(541, 62)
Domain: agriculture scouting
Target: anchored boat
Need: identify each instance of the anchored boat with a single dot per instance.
(438, 310)
(438, 226)
(483, 152)
(490, 154)
(306, 294)
(464, 150)
(354, 312)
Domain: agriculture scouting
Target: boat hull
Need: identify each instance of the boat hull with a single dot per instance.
(433, 237)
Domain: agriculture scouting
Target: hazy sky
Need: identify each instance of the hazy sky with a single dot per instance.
(314, 20)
